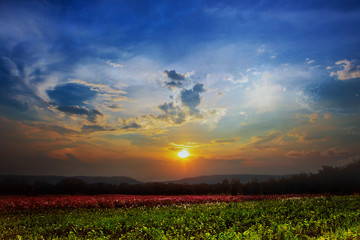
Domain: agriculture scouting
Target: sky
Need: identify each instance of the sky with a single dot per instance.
(119, 88)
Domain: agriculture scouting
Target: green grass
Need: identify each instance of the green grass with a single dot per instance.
(309, 218)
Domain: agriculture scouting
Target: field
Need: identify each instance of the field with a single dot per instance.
(180, 217)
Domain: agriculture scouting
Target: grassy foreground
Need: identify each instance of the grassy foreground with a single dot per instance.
(306, 218)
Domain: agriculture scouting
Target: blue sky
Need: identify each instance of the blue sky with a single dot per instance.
(119, 87)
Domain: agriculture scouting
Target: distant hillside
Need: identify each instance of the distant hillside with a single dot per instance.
(214, 179)
(209, 179)
(55, 179)
(110, 180)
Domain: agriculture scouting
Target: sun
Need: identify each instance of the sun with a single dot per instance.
(183, 154)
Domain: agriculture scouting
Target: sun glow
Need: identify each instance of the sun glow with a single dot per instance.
(183, 154)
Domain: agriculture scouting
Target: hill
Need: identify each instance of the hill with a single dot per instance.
(30, 179)
(214, 179)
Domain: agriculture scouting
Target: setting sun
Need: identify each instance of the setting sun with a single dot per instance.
(183, 154)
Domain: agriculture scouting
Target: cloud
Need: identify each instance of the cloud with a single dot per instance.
(312, 117)
(131, 125)
(219, 94)
(303, 154)
(125, 124)
(175, 149)
(173, 113)
(335, 152)
(187, 145)
(54, 128)
(191, 98)
(82, 98)
(225, 141)
(26, 133)
(176, 80)
(95, 128)
(303, 137)
(16, 88)
(309, 61)
(115, 107)
(260, 140)
(199, 88)
(350, 70)
(90, 114)
(103, 93)
(183, 108)
(236, 78)
(173, 75)
(102, 88)
(115, 65)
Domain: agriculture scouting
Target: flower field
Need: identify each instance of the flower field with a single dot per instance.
(118, 201)
(180, 217)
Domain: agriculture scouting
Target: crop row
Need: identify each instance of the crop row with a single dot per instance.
(119, 201)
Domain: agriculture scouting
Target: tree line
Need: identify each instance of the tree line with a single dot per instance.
(332, 180)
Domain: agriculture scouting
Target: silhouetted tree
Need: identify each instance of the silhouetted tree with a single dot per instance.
(235, 186)
(333, 180)
(72, 186)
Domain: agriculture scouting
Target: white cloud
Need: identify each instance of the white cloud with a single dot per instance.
(309, 61)
(349, 71)
(236, 78)
(245, 115)
(115, 65)
(98, 87)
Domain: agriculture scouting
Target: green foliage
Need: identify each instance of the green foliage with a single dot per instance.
(304, 218)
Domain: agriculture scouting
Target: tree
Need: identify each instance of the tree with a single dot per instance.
(72, 186)
(235, 186)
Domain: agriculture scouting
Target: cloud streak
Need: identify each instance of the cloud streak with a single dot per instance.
(333, 153)
(91, 115)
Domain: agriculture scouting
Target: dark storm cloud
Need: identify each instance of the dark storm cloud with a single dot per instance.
(191, 98)
(176, 79)
(90, 114)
